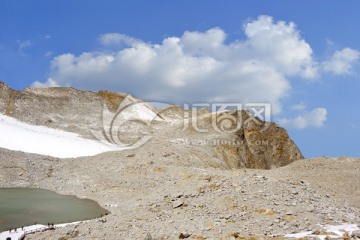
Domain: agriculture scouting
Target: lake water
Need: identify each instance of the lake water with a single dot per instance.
(26, 206)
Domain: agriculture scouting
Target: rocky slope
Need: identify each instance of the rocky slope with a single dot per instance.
(169, 193)
(63, 108)
(182, 182)
(82, 112)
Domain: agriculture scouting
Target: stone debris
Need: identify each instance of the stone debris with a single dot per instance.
(177, 203)
(184, 235)
(173, 187)
(356, 234)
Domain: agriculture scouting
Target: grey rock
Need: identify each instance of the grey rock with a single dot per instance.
(227, 216)
(184, 235)
(148, 237)
(356, 233)
(177, 203)
(310, 208)
(316, 229)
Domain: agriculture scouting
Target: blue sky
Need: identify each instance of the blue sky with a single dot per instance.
(302, 56)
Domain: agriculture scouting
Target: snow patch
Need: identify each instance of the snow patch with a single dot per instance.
(19, 233)
(333, 232)
(19, 136)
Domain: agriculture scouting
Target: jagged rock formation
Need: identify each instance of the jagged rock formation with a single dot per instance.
(82, 112)
(260, 149)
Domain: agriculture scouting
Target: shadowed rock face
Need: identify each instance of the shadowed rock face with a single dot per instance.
(5, 102)
(64, 108)
(81, 112)
(267, 149)
(261, 145)
(265, 145)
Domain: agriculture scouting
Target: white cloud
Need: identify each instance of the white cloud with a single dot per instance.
(197, 66)
(280, 45)
(22, 45)
(48, 54)
(314, 118)
(117, 38)
(341, 62)
(299, 106)
(49, 83)
(329, 42)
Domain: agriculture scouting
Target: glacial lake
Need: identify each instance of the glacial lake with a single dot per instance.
(26, 206)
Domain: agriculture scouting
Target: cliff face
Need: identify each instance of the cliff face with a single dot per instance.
(64, 108)
(258, 149)
(5, 102)
(82, 112)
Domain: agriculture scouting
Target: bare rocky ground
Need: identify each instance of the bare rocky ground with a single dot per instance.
(182, 183)
(167, 192)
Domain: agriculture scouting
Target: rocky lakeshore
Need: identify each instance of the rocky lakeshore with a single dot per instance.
(153, 193)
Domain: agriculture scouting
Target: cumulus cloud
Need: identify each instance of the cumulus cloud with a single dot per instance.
(49, 83)
(197, 66)
(280, 45)
(341, 62)
(314, 118)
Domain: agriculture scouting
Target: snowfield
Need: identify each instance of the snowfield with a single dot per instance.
(19, 136)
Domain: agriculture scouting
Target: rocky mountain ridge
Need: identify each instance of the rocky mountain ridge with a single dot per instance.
(82, 112)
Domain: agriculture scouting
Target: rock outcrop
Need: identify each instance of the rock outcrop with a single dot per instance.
(64, 108)
(258, 149)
